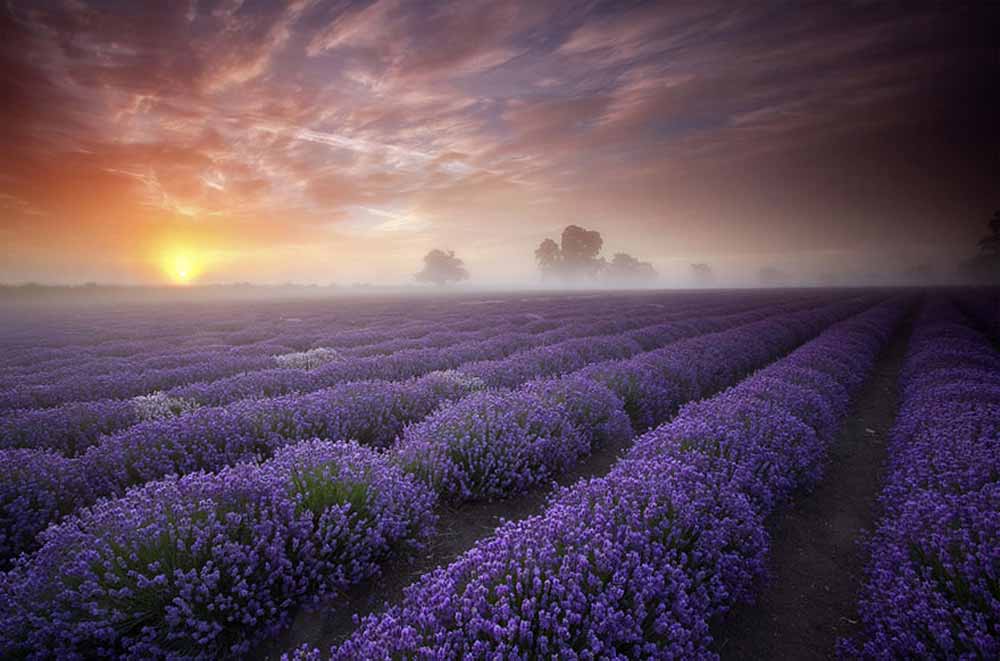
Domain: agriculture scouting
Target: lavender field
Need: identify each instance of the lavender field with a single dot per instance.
(571, 476)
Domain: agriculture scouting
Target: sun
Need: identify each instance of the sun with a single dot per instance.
(181, 266)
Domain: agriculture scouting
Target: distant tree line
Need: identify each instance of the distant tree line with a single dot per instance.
(442, 267)
(576, 258)
(703, 274)
(985, 266)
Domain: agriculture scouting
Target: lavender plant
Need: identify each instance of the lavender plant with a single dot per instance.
(634, 565)
(932, 586)
(205, 565)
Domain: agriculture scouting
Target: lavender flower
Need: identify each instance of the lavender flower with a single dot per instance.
(634, 565)
(206, 565)
(491, 444)
(931, 589)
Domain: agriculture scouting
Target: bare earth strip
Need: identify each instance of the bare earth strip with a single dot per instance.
(458, 530)
(816, 562)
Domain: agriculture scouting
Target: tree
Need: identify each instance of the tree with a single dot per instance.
(985, 267)
(442, 267)
(626, 268)
(549, 258)
(702, 273)
(579, 251)
(576, 257)
(990, 244)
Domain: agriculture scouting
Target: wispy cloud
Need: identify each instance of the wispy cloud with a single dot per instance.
(373, 222)
(668, 125)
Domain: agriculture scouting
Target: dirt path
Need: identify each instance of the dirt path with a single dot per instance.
(458, 530)
(816, 564)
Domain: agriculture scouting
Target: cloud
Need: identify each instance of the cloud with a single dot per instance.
(406, 41)
(683, 126)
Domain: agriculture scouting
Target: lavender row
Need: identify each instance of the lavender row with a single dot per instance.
(616, 318)
(380, 337)
(290, 338)
(112, 331)
(397, 366)
(268, 327)
(983, 306)
(71, 428)
(495, 444)
(105, 331)
(38, 488)
(32, 338)
(125, 384)
(933, 580)
(166, 354)
(205, 565)
(128, 381)
(374, 412)
(170, 356)
(635, 564)
(203, 377)
(124, 581)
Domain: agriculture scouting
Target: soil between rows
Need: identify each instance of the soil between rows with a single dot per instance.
(459, 528)
(816, 562)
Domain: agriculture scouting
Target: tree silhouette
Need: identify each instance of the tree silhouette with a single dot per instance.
(985, 266)
(626, 268)
(990, 244)
(702, 273)
(579, 251)
(442, 267)
(576, 257)
(549, 258)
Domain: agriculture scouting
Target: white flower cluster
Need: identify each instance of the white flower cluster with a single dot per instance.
(159, 405)
(461, 379)
(307, 360)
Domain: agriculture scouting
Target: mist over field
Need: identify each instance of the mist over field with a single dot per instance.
(482, 329)
(318, 142)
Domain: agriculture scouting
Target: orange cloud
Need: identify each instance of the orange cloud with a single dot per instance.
(321, 140)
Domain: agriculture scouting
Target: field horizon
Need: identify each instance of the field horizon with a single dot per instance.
(447, 330)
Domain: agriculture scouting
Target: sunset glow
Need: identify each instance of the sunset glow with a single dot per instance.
(303, 301)
(181, 267)
(317, 141)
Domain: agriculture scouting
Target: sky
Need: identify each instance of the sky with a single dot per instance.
(326, 141)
